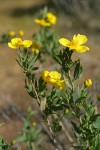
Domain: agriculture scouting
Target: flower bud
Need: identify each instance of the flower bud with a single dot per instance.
(21, 33)
(88, 82)
(13, 142)
(66, 111)
(34, 124)
(36, 51)
(11, 33)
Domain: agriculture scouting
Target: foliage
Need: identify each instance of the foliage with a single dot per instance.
(29, 134)
(74, 98)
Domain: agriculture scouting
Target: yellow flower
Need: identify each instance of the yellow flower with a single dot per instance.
(88, 82)
(17, 42)
(11, 33)
(21, 33)
(27, 43)
(42, 22)
(60, 84)
(53, 78)
(51, 18)
(76, 43)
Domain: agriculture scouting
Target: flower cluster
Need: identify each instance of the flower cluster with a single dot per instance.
(49, 20)
(53, 78)
(7, 36)
(65, 96)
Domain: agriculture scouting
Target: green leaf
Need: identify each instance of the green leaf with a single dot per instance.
(36, 133)
(57, 59)
(21, 138)
(76, 128)
(35, 68)
(97, 123)
(31, 61)
(19, 62)
(78, 70)
(76, 94)
(56, 126)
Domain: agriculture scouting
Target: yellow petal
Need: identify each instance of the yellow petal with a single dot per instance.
(11, 46)
(55, 75)
(45, 76)
(42, 22)
(51, 18)
(17, 41)
(81, 39)
(37, 21)
(60, 84)
(64, 42)
(27, 43)
(45, 73)
(81, 49)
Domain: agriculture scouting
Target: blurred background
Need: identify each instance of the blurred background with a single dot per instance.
(73, 17)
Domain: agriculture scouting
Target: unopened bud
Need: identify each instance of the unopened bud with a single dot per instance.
(34, 124)
(66, 111)
(36, 51)
(13, 142)
(88, 82)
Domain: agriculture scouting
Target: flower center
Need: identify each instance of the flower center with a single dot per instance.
(73, 44)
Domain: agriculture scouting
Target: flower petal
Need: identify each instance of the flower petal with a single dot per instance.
(81, 49)
(17, 41)
(55, 75)
(45, 76)
(27, 43)
(11, 46)
(42, 22)
(51, 18)
(64, 42)
(81, 39)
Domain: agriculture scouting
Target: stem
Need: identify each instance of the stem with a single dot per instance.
(33, 146)
(35, 93)
(69, 77)
(51, 131)
(61, 118)
(64, 129)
